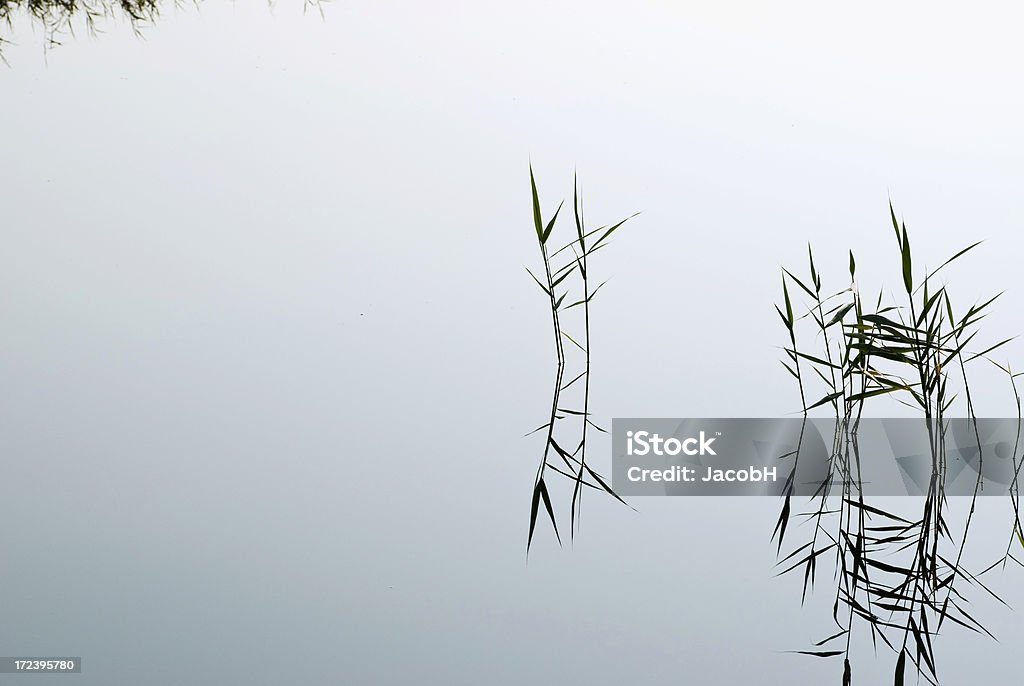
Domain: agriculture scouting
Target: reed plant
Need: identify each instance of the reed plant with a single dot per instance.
(902, 577)
(58, 17)
(568, 286)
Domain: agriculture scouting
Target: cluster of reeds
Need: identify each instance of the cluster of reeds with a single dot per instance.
(902, 577)
(568, 286)
(58, 17)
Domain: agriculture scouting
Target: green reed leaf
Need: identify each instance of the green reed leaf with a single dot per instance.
(789, 305)
(551, 224)
(542, 286)
(895, 225)
(908, 272)
(839, 315)
(537, 221)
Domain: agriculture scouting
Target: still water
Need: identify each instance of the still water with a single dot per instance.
(269, 350)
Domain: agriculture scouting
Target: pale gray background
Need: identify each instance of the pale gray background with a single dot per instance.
(268, 349)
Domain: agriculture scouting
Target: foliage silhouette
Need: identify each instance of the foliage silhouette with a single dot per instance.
(566, 270)
(902, 578)
(58, 17)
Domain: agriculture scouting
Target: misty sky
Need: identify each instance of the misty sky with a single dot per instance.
(269, 351)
